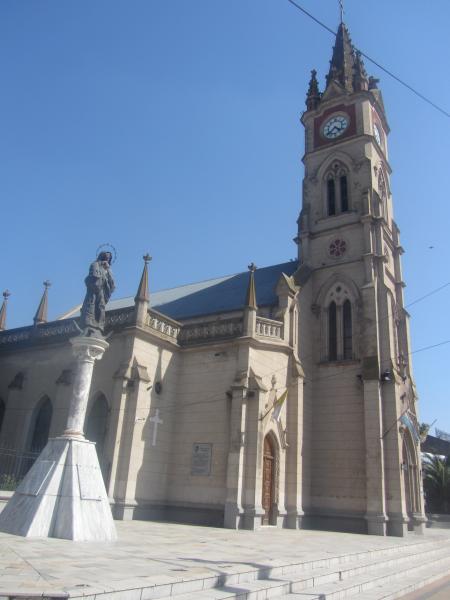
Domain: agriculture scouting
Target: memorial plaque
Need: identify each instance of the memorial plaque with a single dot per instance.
(201, 459)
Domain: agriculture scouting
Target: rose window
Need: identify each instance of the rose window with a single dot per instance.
(337, 248)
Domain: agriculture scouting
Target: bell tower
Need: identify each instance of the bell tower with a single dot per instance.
(354, 334)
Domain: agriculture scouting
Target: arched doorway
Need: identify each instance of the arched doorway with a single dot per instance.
(268, 483)
(40, 425)
(410, 477)
(96, 428)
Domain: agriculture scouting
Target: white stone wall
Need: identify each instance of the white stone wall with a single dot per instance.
(201, 415)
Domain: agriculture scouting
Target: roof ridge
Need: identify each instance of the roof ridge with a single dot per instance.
(176, 287)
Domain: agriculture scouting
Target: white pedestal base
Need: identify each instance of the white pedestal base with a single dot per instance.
(62, 496)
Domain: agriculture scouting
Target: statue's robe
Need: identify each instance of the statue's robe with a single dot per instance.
(99, 287)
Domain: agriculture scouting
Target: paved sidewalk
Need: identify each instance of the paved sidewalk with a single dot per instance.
(149, 553)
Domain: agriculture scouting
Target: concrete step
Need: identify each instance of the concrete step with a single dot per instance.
(338, 578)
(386, 585)
(407, 585)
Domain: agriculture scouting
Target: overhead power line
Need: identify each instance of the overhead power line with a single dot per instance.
(373, 61)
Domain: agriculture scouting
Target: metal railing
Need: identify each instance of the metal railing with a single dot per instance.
(14, 465)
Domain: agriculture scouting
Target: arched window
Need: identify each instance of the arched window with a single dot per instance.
(96, 428)
(382, 187)
(344, 193)
(332, 332)
(337, 190)
(40, 424)
(347, 330)
(2, 413)
(338, 299)
(331, 197)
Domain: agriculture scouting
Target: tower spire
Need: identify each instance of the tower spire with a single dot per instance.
(142, 298)
(143, 293)
(6, 295)
(41, 313)
(343, 60)
(250, 300)
(313, 96)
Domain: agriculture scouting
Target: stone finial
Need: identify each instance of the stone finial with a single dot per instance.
(250, 300)
(373, 83)
(313, 96)
(42, 311)
(360, 81)
(6, 295)
(143, 293)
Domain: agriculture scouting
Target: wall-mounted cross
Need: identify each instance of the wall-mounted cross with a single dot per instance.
(156, 421)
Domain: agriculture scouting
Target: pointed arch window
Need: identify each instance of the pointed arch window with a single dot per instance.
(2, 413)
(331, 197)
(344, 193)
(347, 330)
(382, 187)
(337, 190)
(339, 324)
(41, 425)
(96, 427)
(332, 332)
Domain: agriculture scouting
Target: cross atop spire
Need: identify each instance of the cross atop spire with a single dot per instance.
(341, 6)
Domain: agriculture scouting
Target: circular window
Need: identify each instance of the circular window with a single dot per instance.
(337, 248)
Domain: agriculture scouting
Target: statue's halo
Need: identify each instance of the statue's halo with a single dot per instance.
(107, 248)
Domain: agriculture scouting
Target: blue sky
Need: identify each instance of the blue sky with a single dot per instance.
(173, 127)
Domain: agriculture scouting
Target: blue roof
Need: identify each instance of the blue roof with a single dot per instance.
(224, 294)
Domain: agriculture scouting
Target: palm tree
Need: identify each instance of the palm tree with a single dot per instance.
(436, 483)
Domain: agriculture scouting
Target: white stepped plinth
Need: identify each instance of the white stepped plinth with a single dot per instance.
(63, 494)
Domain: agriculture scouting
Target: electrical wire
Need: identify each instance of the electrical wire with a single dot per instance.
(373, 61)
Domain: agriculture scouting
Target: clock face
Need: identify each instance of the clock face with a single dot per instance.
(377, 134)
(335, 126)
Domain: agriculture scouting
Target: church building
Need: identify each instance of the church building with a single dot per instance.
(279, 396)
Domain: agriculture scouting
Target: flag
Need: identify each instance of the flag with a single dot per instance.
(278, 405)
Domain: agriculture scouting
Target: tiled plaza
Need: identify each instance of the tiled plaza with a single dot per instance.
(151, 553)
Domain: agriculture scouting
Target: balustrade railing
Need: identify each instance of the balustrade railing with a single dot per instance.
(226, 328)
(162, 324)
(269, 328)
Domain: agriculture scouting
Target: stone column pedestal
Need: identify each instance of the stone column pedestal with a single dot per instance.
(63, 495)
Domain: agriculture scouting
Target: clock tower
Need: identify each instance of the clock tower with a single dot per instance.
(361, 430)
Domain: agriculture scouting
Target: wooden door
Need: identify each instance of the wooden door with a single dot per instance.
(268, 480)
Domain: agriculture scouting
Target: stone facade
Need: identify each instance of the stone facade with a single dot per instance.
(188, 406)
